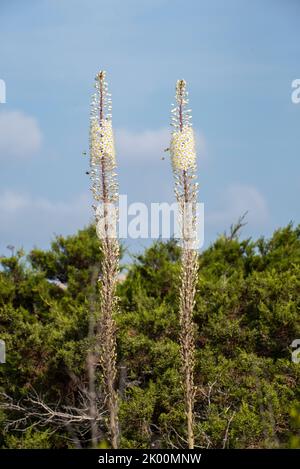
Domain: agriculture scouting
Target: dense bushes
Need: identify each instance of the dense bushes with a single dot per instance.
(247, 315)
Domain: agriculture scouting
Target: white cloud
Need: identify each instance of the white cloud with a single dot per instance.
(20, 136)
(11, 202)
(236, 200)
(149, 145)
(28, 220)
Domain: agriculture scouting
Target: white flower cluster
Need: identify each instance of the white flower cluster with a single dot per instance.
(101, 133)
(104, 185)
(182, 149)
(102, 142)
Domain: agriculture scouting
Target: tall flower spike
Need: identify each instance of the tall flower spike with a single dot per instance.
(105, 193)
(183, 158)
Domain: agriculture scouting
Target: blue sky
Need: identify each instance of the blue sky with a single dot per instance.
(239, 59)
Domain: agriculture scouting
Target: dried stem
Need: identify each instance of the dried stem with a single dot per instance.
(91, 362)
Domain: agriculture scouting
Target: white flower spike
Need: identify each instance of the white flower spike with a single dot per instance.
(182, 146)
(182, 149)
(102, 148)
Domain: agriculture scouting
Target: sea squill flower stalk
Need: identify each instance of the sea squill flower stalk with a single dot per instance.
(105, 193)
(183, 159)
